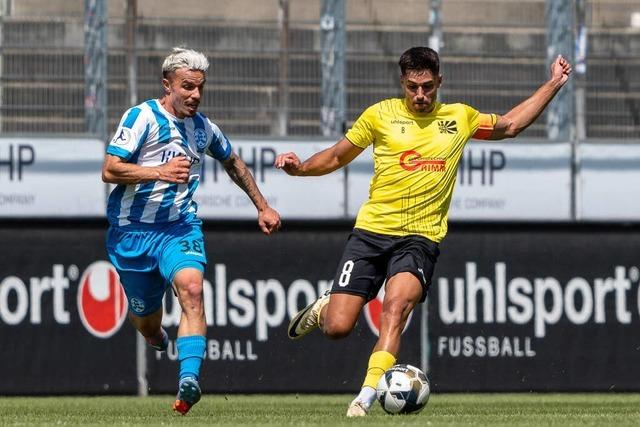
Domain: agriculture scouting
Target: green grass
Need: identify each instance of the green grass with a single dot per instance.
(327, 410)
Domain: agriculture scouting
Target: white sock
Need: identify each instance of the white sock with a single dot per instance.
(367, 396)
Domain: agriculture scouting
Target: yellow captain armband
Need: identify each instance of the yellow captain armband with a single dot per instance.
(486, 123)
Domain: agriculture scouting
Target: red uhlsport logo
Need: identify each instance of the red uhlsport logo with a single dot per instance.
(373, 310)
(412, 161)
(102, 303)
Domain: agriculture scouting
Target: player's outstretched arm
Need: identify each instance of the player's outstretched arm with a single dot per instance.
(268, 218)
(116, 170)
(321, 163)
(525, 113)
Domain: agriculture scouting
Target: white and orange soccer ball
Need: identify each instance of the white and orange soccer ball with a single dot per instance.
(403, 389)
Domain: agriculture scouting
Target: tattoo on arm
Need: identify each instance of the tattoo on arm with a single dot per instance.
(240, 174)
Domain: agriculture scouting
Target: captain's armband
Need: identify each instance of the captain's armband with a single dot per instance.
(487, 123)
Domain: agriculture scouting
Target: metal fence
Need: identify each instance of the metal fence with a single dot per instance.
(493, 54)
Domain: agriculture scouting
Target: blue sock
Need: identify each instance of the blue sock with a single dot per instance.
(190, 354)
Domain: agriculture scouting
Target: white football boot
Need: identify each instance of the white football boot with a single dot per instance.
(360, 406)
(308, 318)
(357, 409)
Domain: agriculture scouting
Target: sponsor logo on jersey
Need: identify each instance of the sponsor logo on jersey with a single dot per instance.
(412, 161)
(102, 304)
(401, 122)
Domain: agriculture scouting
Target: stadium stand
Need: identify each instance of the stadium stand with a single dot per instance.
(490, 64)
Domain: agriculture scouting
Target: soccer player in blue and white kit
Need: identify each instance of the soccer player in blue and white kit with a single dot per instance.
(155, 239)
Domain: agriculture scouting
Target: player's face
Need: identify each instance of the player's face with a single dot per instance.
(420, 90)
(183, 90)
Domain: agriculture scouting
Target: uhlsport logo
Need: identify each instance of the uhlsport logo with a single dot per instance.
(373, 310)
(102, 304)
(412, 161)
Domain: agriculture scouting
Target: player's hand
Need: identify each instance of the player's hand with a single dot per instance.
(288, 162)
(269, 220)
(560, 69)
(176, 170)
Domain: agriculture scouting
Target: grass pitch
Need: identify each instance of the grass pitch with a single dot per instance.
(327, 410)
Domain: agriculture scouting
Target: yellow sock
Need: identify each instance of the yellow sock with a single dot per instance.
(379, 362)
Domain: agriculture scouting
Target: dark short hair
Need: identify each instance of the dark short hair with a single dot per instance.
(419, 59)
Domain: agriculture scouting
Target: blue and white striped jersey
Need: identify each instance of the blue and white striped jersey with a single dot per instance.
(149, 136)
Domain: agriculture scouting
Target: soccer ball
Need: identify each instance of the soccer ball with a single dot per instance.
(403, 389)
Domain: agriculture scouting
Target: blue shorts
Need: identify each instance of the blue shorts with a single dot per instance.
(148, 258)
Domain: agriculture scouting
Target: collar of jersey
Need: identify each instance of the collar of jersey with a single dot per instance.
(164, 111)
(410, 114)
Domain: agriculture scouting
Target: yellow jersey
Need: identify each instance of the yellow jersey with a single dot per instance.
(416, 159)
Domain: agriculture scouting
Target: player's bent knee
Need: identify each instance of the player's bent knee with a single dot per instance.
(336, 329)
(190, 290)
(336, 333)
(191, 296)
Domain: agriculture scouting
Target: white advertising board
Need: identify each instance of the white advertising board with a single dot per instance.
(51, 177)
(60, 177)
(509, 181)
(293, 197)
(609, 182)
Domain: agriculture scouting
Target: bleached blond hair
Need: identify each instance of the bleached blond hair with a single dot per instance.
(181, 57)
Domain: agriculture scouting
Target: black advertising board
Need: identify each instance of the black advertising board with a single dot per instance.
(61, 312)
(512, 308)
(257, 284)
(63, 327)
(532, 307)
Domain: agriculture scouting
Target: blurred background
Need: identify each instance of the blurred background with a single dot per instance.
(537, 287)
(266, 76)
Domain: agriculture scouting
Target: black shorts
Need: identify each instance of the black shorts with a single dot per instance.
(371, 258)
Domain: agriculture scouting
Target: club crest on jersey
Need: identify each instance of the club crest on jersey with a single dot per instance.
(201, 139)
(122, 137)
(448, 126)
(412, 161)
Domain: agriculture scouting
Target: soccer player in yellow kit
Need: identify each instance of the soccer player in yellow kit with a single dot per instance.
(417, 145)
